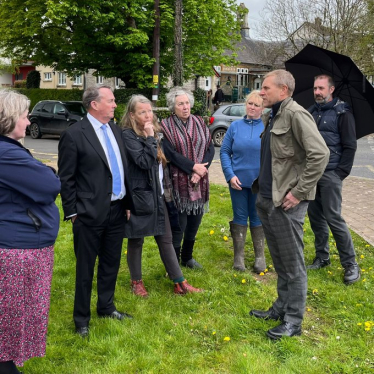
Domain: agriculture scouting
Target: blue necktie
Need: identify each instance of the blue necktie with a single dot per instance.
(113, 163)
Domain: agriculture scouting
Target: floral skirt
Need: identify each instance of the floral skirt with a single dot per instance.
(25, 287)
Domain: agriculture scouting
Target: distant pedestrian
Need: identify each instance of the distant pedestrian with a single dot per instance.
(240, 160)
(219, 97)
(293, 158)
(336, 124)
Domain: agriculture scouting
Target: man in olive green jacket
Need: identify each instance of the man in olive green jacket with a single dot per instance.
(293, 158)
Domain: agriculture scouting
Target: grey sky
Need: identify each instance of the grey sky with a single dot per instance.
(254, 7)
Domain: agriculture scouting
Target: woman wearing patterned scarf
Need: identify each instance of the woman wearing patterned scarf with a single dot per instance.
(189, 148)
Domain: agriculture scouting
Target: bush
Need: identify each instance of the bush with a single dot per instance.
(33, 79)
(200, 102)
(20, 84)
(119, 112)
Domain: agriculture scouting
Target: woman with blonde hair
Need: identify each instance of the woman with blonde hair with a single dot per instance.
(151, 199)
(240, 161)
(29, 223)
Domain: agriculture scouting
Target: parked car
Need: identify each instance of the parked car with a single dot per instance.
(221, 120)
(53, 117)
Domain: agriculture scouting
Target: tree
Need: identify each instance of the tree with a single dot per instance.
(115, 38)
(337, 25)
(33, 79)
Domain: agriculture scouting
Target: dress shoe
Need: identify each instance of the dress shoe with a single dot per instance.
(284, 329)
(184, 287)
(318, 263)
(82, 331)
(138, 288)
(192, 264)
(351, 274)
(266, 314)
(116, 315)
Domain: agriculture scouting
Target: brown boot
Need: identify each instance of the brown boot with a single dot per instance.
(238, 234)
(258, 239)
(138, 289)
(184, 287)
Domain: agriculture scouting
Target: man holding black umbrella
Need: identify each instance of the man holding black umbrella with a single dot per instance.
(336, 124)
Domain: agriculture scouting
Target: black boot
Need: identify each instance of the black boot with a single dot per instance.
(8, 367)
(186, 255)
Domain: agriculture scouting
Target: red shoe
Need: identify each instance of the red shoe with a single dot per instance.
(138, 289)
(184, 287)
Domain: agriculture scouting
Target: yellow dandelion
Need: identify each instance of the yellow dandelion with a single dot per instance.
(221, 194)
(329, 272)
(359, 324)
(364, 280)
(266, 270)
(226, 338)
(308, 309)
(213, 333)
(363, 270)
(244, 281)
(358, 304)
(262, 273)
(304, 230)
(367, 328)
(225, 238)
(362, 256)
(270, 266)
(368, 323)
(315, 291)
(367, 245)
(211, 232)
(235, 275)
(370, 268)
(125, 252)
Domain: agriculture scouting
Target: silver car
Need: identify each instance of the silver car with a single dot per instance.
(221, 120)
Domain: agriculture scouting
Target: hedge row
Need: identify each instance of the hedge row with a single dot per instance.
(122, 97)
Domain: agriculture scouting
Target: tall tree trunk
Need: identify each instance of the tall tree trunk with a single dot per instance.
(178, 55)
(156, 53)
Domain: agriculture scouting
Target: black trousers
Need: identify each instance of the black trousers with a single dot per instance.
(104, 242)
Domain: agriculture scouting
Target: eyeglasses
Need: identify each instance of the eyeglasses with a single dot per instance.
(253, 104)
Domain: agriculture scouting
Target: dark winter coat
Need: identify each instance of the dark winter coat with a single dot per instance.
(146, 201)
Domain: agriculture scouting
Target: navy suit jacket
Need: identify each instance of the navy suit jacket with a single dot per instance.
(86, 179)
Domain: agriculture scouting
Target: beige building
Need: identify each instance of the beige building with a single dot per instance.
(57, 79)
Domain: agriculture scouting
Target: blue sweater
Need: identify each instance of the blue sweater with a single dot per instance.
(240, 151)
(29, 217)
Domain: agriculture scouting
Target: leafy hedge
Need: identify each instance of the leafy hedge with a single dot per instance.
(122, 97)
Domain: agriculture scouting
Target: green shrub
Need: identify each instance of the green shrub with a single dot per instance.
(20, 84)
(200, 102)
(33, 79)
(119, 112)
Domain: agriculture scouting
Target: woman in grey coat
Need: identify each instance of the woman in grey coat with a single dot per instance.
(150, 195)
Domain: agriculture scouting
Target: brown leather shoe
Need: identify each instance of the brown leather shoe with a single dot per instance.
(184, 287)
(138, 289)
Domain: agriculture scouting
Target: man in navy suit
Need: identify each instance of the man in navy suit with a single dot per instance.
(92, 168)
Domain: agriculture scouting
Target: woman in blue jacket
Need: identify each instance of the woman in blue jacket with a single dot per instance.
(150, 196)
(240, 161)
(29, 222)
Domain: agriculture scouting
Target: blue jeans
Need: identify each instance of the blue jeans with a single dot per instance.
(244, 207)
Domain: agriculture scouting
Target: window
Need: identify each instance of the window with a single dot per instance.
(59, 109)
(100, 79)
(48, 108)
(47, 76)
(77, 80)
(62, 79)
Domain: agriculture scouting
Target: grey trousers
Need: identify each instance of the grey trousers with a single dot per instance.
(165, 247)
(284, 235)
(324, 212)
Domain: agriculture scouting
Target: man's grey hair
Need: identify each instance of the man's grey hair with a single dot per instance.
(283, 78)
(178, 91)
(12, 106)
(93, 94)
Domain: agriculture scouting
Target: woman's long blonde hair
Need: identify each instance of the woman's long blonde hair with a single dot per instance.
(128, 122)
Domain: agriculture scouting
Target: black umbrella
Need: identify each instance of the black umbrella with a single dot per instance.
(350, 84)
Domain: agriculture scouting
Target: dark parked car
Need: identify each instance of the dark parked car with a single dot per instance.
(53, 117)
(221, 120)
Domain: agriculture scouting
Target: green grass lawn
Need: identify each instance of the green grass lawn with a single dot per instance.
(212, 332)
